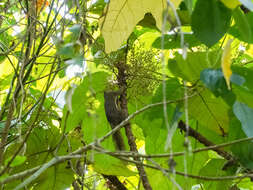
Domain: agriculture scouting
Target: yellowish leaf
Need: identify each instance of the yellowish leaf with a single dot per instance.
(6, 67)
(121, 16)
(226, 62)
(231, 3)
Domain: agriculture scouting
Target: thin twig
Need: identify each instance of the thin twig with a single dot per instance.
(175, 154)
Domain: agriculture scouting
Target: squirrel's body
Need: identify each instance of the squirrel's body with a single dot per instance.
(114, 116)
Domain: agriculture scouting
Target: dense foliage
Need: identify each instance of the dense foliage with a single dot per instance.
(182, 77)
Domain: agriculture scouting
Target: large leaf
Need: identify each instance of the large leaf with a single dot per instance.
(244, 95)
(242, 24)
(243, 27)
(173, 41)
(191, 68)
(122, 16)
(245, 115)
(81, 97)
(155, 140)
(211, 112)
(243, 151)
(154, 129)
(59, 177)
(244, 92)
(214, 81)
(210, 21)
(39, 145)
(214, 168)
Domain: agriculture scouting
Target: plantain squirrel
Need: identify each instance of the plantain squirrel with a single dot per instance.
(114, 116)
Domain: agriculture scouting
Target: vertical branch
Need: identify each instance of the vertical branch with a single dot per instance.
(122, 82)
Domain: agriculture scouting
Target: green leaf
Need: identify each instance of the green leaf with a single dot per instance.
(108, 165)
(82, 97)
(245, 183)
(194, 64)
(185, 17)
(243, 87)
(210, 21)
(174, 90)
(210, 111)
(247, 74)
(155, 132)
(59, 177)
(242, 24)
(214, 168)
(2, 58)
(244, 95)
(173, 41)
(214, 81)
(5, 81)
(18, 160)
(158, 180)
(245, 115)
(155, 142)
(240, 29)
(244, 150)
(189, 5)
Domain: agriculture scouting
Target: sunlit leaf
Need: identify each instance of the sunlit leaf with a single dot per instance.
(211, 112)
(195, 63)
(231, 3)
(120, 20)
(17, 161)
